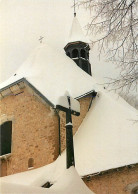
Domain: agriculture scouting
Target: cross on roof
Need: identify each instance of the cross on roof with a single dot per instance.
(74, 8)
(41, 39)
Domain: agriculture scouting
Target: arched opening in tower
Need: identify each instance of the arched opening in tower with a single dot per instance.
(75, 53)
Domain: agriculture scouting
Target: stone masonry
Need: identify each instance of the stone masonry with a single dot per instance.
(34, 131)
(116, 181)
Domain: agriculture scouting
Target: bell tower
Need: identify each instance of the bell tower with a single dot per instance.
(77, 47)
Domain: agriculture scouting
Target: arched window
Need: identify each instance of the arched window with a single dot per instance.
(83, 53)
(30, 163)
(75, 53)
(5, 138)
(68, 54)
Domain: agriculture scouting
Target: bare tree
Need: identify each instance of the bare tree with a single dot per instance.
(116, 21)
(131, 99)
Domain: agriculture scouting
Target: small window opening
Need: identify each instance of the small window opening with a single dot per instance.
(47, 185)
(5, 138)
(83, 53)
(75, 53)
(30, 163)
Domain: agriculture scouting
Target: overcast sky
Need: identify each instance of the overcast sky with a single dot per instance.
(23, 22)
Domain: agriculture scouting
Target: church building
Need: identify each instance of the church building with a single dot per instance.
(32, 129)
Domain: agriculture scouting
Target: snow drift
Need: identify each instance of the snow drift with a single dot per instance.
(69, 182)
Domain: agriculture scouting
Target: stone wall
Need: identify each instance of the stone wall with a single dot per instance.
(34, 130)
(121, 181)
(76, 120)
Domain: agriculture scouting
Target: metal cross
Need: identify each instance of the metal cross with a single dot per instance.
(74, 8)
(41, 39)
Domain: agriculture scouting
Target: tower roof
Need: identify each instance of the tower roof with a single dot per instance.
(76, 33)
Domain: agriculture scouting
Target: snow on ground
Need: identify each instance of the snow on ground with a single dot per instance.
(69, 182)
(53, 73)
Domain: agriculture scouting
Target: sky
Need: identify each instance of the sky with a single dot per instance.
(23, 22)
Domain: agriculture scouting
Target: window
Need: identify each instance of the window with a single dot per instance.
(75, 53)
(83, 53)
(30, 163)
(5, 138)
(47, 185)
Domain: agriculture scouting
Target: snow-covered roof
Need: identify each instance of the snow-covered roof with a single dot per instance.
(67, 182)
(107, 137)
(76, 33)
(53, 73)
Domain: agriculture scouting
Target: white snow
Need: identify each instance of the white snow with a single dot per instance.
(23, 22)
(68, 124)
(106, 139)
(108, 136)
(70, 182)
(63, 101)
(74, 104)
(67, 183)
(76, 33)
(52, 73)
